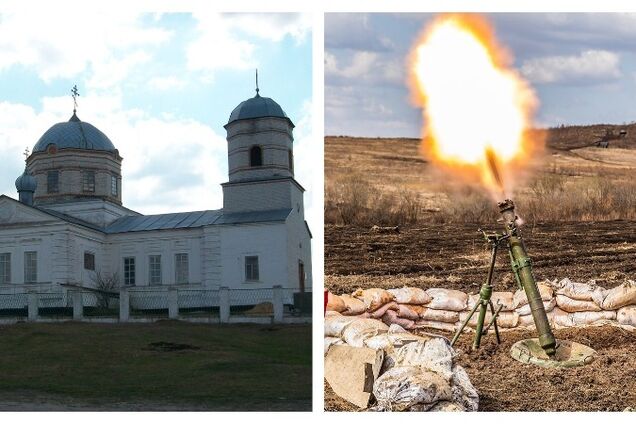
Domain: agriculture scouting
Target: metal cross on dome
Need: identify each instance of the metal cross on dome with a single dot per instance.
(75, 94)
(257, 90)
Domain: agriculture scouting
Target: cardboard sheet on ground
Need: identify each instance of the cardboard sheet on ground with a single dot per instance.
(352, 371)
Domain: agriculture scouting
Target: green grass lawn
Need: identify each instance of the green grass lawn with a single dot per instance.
(236, 367)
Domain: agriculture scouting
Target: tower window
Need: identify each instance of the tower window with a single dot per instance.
(53, 182)
(256, 156)
(251, 268)
(113, 185)
(290, 159)
(88, 181)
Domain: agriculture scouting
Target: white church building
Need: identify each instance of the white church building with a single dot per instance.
(70, 221)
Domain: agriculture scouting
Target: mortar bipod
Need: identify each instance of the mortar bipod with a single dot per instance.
(485, 294)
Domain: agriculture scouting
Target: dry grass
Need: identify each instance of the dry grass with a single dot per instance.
(387, 182)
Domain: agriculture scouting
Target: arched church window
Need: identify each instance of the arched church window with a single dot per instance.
(256, 156)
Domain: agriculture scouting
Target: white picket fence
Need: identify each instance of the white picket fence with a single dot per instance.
(143, 304)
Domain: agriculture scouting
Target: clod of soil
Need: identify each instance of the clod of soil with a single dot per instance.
(170, 347)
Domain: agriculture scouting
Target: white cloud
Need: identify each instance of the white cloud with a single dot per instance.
(367, 66)
(588, 65)
(166, 83)
(220, 44)
(110, 44)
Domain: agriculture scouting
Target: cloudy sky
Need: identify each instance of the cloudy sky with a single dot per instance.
(161, 87)
(582, 67)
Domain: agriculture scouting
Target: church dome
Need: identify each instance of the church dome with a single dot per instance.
(74, 134)
(26, 182)
(258, 107)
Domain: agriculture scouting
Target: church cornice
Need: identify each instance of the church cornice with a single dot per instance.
(263, 181)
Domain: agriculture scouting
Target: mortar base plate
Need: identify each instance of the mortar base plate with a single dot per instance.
(568, 354)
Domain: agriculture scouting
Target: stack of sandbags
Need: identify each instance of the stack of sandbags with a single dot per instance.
(618, 297)
(442, 312)
(577, 297)
(567, 304)
(422, 376)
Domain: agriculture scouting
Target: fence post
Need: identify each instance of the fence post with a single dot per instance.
(224, 304)
(78, 306)
(124, 305)
(277, 300)
(173, 303)
(32, 299)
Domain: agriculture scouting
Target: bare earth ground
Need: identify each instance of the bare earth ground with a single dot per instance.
(453, 255)
(503, 384)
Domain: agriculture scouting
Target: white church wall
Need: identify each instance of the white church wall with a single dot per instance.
(97, 211)
(39, 239)
(267, 241)
(298, 242)
(166, 243)
(258, 195)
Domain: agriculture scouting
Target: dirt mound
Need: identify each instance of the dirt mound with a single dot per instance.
(170, 347)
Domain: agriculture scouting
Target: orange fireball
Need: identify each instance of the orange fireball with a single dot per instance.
(476, 107)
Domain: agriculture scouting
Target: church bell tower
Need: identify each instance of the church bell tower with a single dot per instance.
(260, 158)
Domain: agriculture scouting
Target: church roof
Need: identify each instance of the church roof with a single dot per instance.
(74, 134)
(172, 221)
(258, 107)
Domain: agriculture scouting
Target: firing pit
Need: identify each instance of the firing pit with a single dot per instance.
(568, 354)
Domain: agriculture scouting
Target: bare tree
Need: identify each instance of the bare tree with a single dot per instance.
(105, 285)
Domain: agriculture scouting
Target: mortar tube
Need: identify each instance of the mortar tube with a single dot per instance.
(522, 268)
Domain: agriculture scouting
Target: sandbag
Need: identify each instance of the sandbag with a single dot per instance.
(335, 303)
(504, 319)
(447, 299)
(392, 341)
(434, 354)
(498, 298)
(616, 298)
(360, 329)
(577, 291)
(437, 325)
(379, 313)
(410, 295)
(561, 318)
(330, 341)
(440, 315)
(547, 305)
(373, 298)
(335, 325)
(391, 317)
(575, 305)
(464, 393)
(520, 298)
(626, 315)
(401, 388)
(404, 311)
(353, 306)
